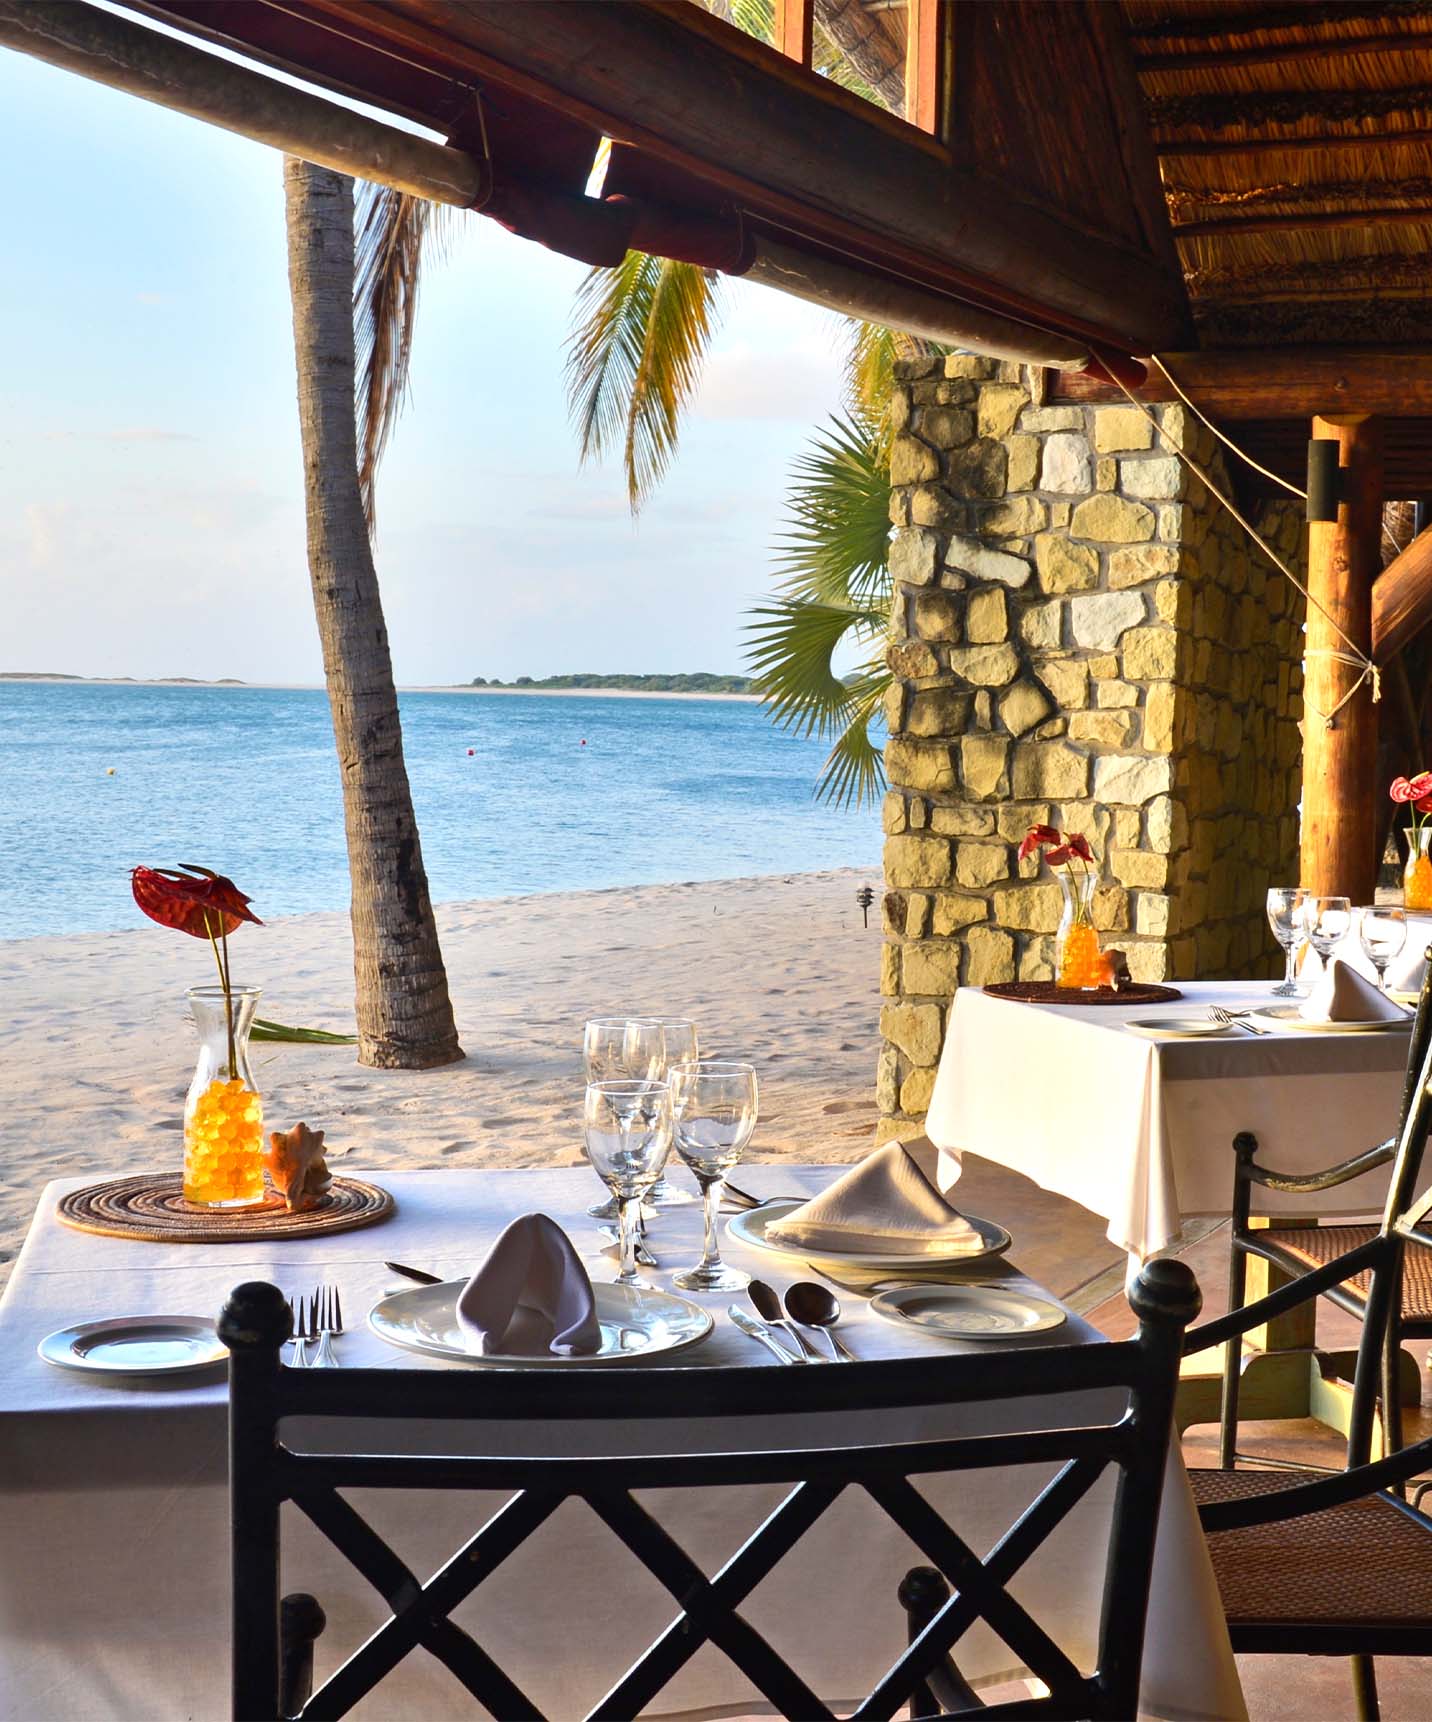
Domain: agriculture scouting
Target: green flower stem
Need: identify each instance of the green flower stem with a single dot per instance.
(223, 967)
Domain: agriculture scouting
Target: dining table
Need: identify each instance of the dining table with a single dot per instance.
(114, 1577)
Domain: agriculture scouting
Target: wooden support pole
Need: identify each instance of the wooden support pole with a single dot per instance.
(1340, 789)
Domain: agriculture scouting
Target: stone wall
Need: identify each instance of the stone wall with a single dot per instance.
(1081, 635)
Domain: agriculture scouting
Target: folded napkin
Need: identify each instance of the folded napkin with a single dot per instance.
(888, 1203)
(1341, 994)
(532, 1294)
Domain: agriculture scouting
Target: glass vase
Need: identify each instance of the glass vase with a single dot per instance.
(1077, 963)
(223, 1111)
(1417, 875)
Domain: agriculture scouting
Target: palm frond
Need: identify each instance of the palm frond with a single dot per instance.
(870, 368)
(264, 1030)
(791, 658)
(392, 231)
(836, 544)
(640, 335)
(854, 769)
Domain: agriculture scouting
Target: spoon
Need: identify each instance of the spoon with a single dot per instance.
(768, 1307)
(813, 1306)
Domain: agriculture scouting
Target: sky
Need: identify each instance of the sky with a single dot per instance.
(151, 511)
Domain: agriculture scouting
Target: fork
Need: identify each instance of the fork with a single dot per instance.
(303, 1324)
(330, 1325)
(1228, 1019)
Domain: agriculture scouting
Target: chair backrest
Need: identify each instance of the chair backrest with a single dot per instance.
(1415, 1117)
(267, 1471)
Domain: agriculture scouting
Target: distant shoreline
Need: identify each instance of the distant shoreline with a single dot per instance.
(230, 683)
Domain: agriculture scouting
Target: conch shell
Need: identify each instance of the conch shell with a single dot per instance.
(296, 1166)
(1114, 970)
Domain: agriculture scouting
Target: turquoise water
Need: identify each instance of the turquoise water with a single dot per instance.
(244, 780)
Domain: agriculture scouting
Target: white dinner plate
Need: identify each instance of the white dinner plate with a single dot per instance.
(136, 1345)
(635, 1322)
(1289, 1016)
(968, 1312)
(1189, 1027)
(750, 1228)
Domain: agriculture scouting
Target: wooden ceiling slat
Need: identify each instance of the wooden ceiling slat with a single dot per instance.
(1270, 221)
(1276, 53)
(1363, 142)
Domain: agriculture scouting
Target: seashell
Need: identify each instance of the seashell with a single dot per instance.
(296, 1167)
(1115, 970)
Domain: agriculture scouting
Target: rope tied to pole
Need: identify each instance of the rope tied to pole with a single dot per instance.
(1354, 655)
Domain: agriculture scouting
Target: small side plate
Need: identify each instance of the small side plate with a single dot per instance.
(136, 1345)
(1186, 1027)
(968, 1312)
(750, 1228)
(1290, 1016)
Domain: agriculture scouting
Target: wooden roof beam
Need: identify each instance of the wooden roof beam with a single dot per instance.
(1275, 53)
(1279, 383)
(1358, 141)
(1402, 598)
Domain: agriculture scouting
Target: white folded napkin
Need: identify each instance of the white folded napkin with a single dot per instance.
(888, 1203)
(532, 1294)
(1341, 994)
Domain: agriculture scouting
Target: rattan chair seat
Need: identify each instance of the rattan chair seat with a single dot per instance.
(1367, 1562)
(1311, 1246)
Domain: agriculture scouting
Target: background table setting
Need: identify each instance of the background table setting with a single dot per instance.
(114, 1485)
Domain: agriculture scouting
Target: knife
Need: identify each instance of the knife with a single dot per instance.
(754, 1330)
(417, 1274)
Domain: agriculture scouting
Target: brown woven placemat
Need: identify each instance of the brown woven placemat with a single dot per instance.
(1045, 992)
(150, 1206)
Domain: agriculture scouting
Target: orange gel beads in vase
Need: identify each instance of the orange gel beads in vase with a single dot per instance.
(1080, 962)
(1417, 875)
(223, 1111)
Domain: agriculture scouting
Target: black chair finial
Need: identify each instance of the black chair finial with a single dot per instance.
(1166, 1290)
(256, 1316)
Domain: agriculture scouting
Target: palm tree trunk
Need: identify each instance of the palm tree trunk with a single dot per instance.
(405, 1018)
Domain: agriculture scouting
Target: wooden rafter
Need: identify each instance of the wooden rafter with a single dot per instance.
(1289, 221)
(1358, 141)
(1402, 599)
(1278, 383)
(1276, 53)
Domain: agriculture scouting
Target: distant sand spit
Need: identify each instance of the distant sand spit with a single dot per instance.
(96, 1051)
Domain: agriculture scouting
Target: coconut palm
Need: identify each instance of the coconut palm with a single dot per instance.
(405, 1018)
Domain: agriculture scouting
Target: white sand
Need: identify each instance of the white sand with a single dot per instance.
(96, 1050)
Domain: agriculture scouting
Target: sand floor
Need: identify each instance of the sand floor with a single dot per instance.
(96, 1048)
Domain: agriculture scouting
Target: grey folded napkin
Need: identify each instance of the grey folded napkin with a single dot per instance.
(1341, 994)
(889, 1203)
(531, 1295)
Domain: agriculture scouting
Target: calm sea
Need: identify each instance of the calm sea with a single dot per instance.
(244, 780)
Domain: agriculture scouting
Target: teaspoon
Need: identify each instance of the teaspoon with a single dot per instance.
(768, 1307)
(813, 1306)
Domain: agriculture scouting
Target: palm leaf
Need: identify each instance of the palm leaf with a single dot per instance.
(263, 1030)
(836, 543)
(793, 643)
(392, 232)
(854, 769)
(870, 369)
(640, 334)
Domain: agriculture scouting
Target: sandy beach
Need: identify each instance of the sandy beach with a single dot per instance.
(96, 1049)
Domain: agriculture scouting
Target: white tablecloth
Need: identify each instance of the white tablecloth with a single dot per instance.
(113, 1574)
(1140, 1130)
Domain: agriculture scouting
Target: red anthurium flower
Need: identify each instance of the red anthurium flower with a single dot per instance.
(1420, 786)
(1057, 857)
(197, 901)
(1079, 845)
(1037, 837)
(1424, 805)
(1401, 790)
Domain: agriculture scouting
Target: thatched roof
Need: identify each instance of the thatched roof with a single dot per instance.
(1295, 143)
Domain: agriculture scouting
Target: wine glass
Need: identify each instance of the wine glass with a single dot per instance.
(714, 1109)
(1327, 922)
(1283, 908)
(679, 1042)
(638, 1049)
(1383, 933)
(628, 1136)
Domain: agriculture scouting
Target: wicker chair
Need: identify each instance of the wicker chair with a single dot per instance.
(1340, 1566)
(1297, 1251)
(273, 1641)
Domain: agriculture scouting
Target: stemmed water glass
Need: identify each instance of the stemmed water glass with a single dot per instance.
(714, 1109)
(1383, 932)
(1327, 922)
(637, 1048)
(1284, 905)
(628, 1136)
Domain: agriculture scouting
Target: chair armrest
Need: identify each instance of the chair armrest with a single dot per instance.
(1319, 1496)
(1307, 1286)
(1307, 1183)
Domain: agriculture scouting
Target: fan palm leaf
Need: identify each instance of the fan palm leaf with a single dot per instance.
(393, 231)
(640, 335)
(836, 544)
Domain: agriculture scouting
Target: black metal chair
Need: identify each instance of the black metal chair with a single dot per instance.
(273, 1642)
(1340, 1566)
(1296, 1251)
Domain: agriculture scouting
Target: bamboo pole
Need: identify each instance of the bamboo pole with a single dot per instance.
(141, 62)
(1340, 790)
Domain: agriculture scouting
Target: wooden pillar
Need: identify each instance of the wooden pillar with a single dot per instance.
(1340, 787)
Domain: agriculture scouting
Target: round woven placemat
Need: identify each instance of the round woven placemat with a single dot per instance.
(151, 1206)
(1045, 992)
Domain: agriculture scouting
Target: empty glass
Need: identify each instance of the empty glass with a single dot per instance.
(637, 1048)
(1284, 905)
(1383, 933)
(1327, 921)
(714, 1109)
(628, 1135)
